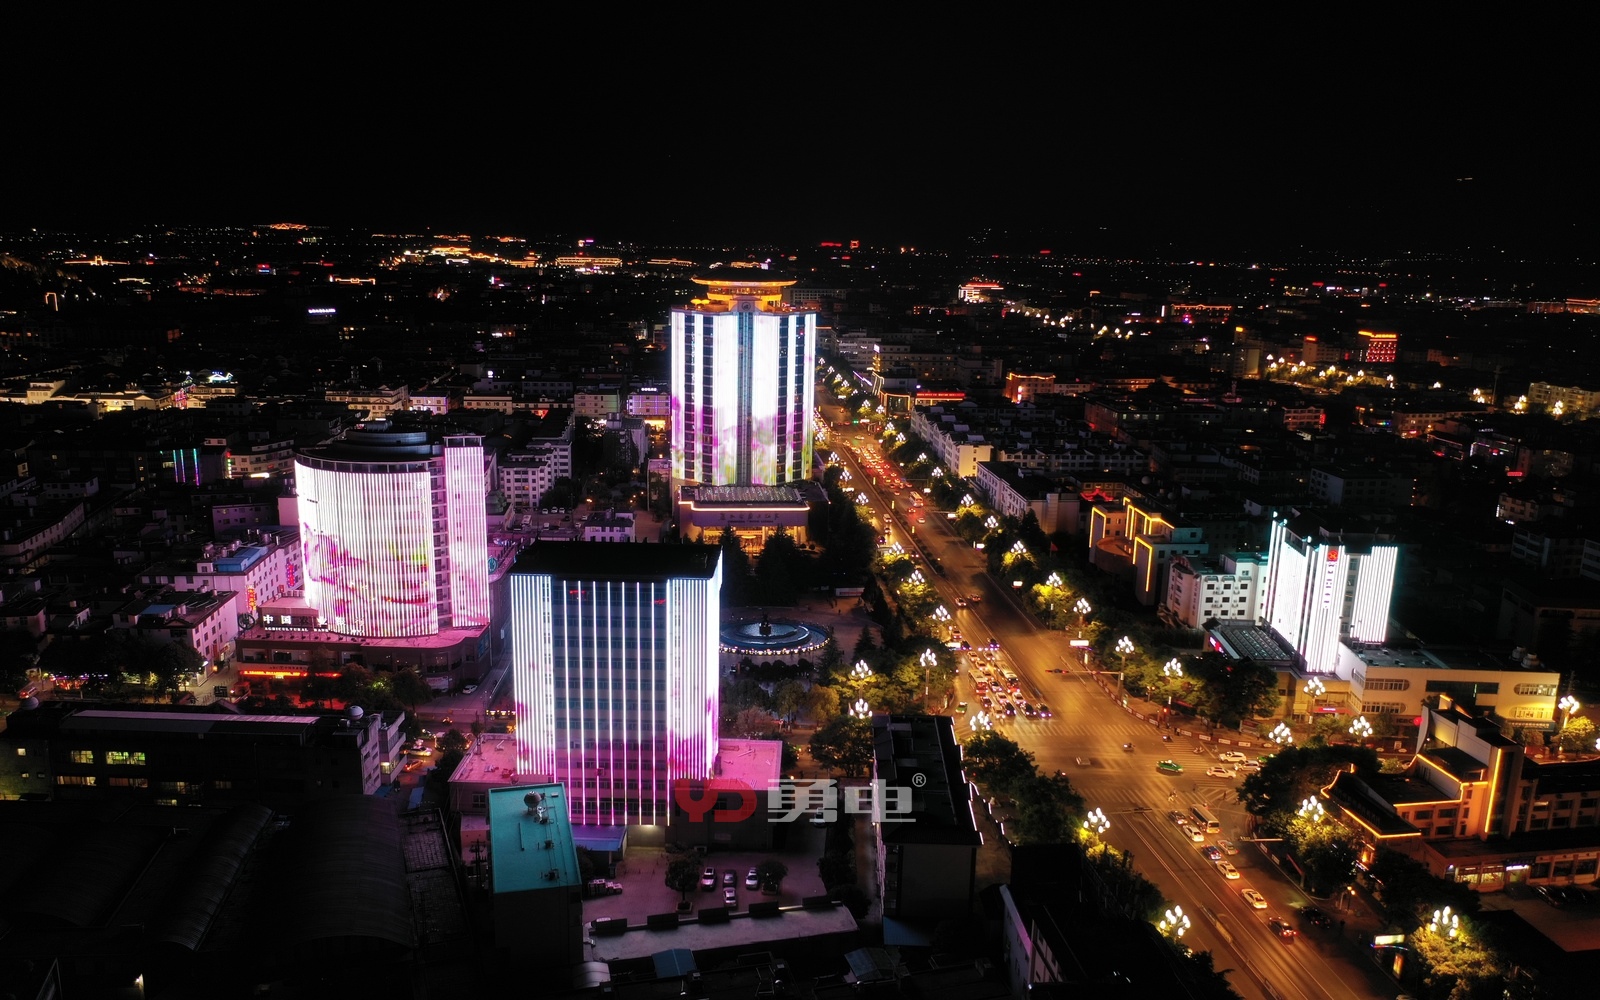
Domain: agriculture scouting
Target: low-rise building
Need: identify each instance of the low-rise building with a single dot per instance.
(536, 882)
(79, 751)
(927, 852)
(1226, 588)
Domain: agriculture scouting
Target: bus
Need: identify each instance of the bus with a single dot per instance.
(1204, 819)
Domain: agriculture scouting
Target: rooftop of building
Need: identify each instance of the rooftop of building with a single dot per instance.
(604, 560)
(1255, 642)
(920, 753)
(1368, 806)
(54, 719)
(742, 932)
(756, 763)
(733, 496)
(492, 759)
(382, 441)
(530, 839)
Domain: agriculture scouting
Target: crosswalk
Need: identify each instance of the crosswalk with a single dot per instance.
(1132, 798)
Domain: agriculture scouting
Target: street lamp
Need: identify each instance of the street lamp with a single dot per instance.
(1446, 923)
(1054, 580)
(990, 522)
(1173, 668)
(1361, 728)
(861, 710)
(861, 671)
(1281, 735)
(1312, 809)
(1569, 705)
(966, 500)
(1097, 823)
(1174, 922)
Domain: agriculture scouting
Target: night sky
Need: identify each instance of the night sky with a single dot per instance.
(1201, 139)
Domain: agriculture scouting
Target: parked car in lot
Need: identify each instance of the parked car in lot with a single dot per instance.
(1254, 899)
(730, 897)
(750, 880)
(708, 880)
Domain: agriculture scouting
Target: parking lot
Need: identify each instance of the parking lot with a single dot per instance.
(644, 870)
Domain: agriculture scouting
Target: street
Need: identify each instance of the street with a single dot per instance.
(1090, 725)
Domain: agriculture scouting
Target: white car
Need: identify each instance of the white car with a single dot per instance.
(1218, 772)
(1193, 834)
(1231, 757)
(1255, 899)
(1227, 870)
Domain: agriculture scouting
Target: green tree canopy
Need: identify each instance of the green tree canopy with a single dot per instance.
(1409, 892)
(844, 744)
(997, 762)
(683, 875)
(1294, 773)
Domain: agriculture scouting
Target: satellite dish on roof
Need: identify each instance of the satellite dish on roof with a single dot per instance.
(532, 800)
(355, 712)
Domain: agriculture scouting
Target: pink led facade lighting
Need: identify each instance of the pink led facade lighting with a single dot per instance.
(615, 674)
(368, 548)
(742, 380)
(467, 530)
(393, 532)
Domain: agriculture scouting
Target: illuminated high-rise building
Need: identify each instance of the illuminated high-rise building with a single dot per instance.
(614, 666)
(1324, 587)
(393, 531)
(742, 384)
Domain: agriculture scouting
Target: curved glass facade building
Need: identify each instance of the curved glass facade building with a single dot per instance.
(393, 532)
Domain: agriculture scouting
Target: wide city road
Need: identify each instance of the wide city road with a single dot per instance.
(1111, 757)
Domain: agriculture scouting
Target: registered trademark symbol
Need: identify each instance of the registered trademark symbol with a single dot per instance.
(919, 779)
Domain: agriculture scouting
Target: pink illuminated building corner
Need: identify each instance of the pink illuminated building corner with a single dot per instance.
(614, 658)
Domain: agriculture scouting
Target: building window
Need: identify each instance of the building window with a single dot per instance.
(75, 779)
(22, 752)
(81, 756)
(125, 757)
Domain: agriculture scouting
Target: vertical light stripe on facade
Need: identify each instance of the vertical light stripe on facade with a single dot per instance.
(467, 531)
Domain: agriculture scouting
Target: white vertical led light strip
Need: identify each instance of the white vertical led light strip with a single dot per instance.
(763, 390)
(533, 675)
(468, 532)
(807, 379)
(725, 397)
(1369, 620)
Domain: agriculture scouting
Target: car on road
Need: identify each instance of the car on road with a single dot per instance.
(961, 602)
(961, 708)
(1169, 767)
(1228, 847)
(1231, 757)
(1166, 737)
(1044, 712)
(1316, 916)
(1227, 870)
(1011, 709)
(708, 880)
(975, 598)
(1210, 853)
(1084, 761)
(1127, 748)
(1030, 711)
(1250, 767)
(1218, 772)
(1254, 899)
(751, 881)
(1177, 816)
(1197, 836)
(1281, 928)
(730, 897)
(994, 643)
